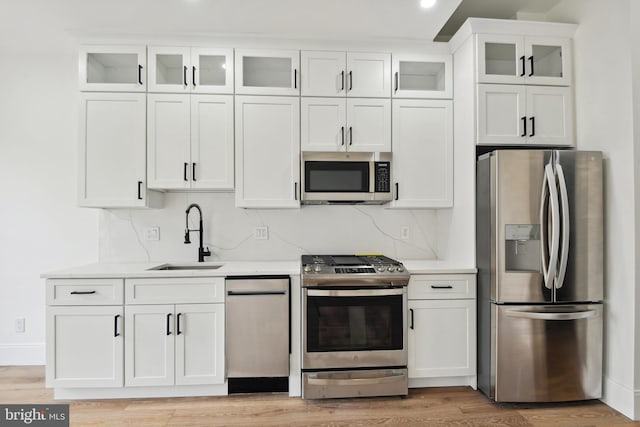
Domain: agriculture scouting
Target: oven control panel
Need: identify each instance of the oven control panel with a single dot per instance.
(372, 265)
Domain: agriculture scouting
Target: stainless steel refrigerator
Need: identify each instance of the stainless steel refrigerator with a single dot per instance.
(539, 242)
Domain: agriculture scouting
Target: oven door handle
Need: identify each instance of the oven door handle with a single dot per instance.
(354, 292)
(313, 379)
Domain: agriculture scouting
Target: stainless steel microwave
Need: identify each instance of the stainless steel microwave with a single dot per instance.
(340, 177)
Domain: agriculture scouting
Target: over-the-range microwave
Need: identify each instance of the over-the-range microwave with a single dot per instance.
(346, 177)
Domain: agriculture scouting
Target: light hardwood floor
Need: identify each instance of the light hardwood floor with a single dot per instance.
(451, 406)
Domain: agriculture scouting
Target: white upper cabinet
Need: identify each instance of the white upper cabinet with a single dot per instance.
(353, 74)
(422, 76)
(190, 142)
(267, 151)
(112, 156)
(190, 70)
(512, 115)
(267, 72)
(112, 68)
(513, 59)
(338, 124)
(422, 153)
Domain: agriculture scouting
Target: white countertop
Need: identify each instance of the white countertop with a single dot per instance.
(437, 267)
(228, 268)
(231, 268)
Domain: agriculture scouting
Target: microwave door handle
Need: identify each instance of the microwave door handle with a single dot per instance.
(566, 226)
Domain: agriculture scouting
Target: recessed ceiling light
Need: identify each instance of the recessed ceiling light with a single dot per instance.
(426, 4)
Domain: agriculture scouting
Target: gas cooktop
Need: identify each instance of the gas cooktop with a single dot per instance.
(351, 264)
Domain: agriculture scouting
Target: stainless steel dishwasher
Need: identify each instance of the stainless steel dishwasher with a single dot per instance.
(258, 332)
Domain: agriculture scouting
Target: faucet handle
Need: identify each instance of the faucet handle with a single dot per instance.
(206, 251)
(186, 237)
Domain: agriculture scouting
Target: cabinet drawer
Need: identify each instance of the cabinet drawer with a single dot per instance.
(174, 290)
(85, 291)
(442, 286)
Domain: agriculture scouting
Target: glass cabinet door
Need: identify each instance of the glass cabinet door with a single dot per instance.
(169, 69)
(422, 76)
(548, 61)
(267, 72)
(112, 68)
(501, 59)
(212, 70)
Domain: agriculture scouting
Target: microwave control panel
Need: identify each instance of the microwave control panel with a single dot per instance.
(383, 177)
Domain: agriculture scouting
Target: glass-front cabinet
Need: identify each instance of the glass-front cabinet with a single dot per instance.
(524, 60)
(112, 68)
(422, 76)
(267, 72)
(190, 70)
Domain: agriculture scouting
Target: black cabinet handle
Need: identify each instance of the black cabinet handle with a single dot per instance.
(139, 190)
(115, 326)
(350, 80)
(83, 292)
(533, 126)
(396, 85)
(350, 135)
(524, 126)
(193, 171)
(139, 74)
(342, 134)
(441, 287)
(178, 331)
(184, 171)
(184, 75)
(342, 79)
(531, 64)
(397, 190)
(295, 78)
(193, 76)
(168, 323)
(411, 314)
(523, 64)
(295, 191)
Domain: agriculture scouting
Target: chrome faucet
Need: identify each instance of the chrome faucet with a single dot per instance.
(202, 252)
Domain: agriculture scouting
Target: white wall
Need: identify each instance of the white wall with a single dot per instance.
(41, 229)
(605, 121)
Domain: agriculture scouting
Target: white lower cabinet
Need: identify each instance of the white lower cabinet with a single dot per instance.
(179, 344)
(442, 330)
(84, 346)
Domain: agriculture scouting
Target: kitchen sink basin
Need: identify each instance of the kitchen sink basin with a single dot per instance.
(200, 266)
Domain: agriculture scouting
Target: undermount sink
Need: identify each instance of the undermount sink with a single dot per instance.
(204, 266)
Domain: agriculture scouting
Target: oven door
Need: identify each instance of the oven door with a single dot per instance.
(354, 328)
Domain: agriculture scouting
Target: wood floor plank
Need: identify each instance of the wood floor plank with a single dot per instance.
(432, 407)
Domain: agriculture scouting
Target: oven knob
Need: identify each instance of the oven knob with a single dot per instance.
(380, 268)
(391, 268)
(317, 268)
(400, 268)
(307, 268)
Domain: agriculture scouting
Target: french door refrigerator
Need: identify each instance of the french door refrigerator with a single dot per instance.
(539, 240)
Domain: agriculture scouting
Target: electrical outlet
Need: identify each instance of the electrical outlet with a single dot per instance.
(404, 232)
(152, 233)
(20, 325)
(261, 233)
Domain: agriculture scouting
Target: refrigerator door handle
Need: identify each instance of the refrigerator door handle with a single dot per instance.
(566, 226)
(570, 315)
(549, 190)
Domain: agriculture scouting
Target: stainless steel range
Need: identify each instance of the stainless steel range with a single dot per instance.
(354, 326)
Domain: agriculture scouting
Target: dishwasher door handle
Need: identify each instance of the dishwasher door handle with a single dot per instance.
(245, 293)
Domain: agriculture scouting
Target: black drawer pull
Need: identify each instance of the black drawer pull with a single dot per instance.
(441, 287)
(83, 292)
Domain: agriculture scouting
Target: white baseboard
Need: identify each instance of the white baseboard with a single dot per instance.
(22, 354)
(621, 398)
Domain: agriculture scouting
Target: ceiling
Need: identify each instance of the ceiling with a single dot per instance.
(53, 25)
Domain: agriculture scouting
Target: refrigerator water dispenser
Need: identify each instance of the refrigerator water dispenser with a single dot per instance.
(522, 247)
